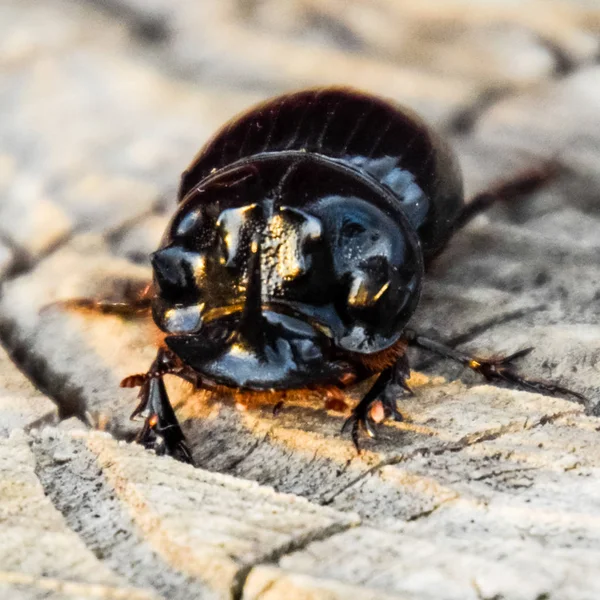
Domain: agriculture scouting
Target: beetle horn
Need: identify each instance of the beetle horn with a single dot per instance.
(251, 326)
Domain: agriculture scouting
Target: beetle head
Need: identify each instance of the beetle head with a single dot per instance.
(258, 345)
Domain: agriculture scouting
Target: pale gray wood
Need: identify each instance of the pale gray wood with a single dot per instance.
(481, 493)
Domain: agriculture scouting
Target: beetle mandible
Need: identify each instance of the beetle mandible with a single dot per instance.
(297, 253)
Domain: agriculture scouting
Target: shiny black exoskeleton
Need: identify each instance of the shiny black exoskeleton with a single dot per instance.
(297, 254)
(300, 239)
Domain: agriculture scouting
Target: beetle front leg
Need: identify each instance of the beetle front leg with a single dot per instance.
(382, 392)
(161, 429)
(132, 303)
(496, 369)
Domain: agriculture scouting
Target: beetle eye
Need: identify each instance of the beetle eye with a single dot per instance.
(352, 229)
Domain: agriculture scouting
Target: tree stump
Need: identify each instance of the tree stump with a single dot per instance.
(482, 493)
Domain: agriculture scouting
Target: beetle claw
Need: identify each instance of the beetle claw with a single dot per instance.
(368, 427)
(355, 422)
(359, 420)
(361, 417)
(506, 360)
(349, 421)
(394, 413)
(163, 438)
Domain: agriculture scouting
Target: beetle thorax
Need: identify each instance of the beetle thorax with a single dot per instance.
(283, 234)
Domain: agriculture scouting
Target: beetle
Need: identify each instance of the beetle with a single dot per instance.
(297, 253)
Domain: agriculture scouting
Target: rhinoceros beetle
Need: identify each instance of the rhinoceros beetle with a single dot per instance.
(296, 256)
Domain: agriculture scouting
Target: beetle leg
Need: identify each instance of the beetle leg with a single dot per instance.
(400, 374)
(497, 369)
(522, 185)
(135, 303)
(360, 416)
(106, 307)
(164, 364)
(161, 429)
(382, 392)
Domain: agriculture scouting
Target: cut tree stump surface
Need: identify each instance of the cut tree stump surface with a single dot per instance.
(481, 493)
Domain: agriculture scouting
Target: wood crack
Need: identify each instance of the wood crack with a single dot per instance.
(93, 512)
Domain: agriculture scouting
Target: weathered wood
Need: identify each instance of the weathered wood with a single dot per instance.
(481, 493)
(39, 552)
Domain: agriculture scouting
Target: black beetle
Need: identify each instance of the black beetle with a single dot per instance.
(297, 252)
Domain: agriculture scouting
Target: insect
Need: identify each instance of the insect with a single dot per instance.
(297, 253)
